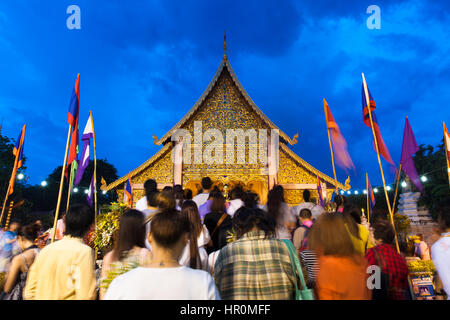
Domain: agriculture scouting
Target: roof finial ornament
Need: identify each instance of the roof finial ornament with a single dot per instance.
(225, 45)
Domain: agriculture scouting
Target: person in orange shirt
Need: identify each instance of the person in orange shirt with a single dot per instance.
(342, 270)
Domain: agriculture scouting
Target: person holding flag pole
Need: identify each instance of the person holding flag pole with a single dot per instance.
(18, 153)
(368, 105)
(337, 140)
(72, 119)
(447, 149)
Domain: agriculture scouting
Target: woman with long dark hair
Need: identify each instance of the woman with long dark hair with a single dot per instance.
(281, 213)
(17, 274)
(340, 202)
(194, 254)
(129, 247)
(218, 222)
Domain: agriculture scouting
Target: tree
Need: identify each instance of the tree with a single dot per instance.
(45, 198)
(432, 164)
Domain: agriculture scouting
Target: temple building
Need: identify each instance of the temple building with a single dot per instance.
(199, 145)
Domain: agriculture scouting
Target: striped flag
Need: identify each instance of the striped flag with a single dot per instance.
(18, 153)
(320, 193)
(383, 150)
(88, 133)
(128, 192)
(337, 139)
(72, 119)
(447, 149)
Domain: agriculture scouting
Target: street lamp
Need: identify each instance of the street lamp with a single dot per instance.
(75, 190)
(86, 191)
(388, 188)
(20, 176)
(365, 191)
(349, 192)
(404, 184)
(424, 178)
(44, 183)
(375, 190)
(104, 191)
(356, 192)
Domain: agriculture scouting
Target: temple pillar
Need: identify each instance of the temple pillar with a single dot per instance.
(273, 158)
(178, 162)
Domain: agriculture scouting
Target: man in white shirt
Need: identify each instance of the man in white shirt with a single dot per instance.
(440, 252)
(150, 186)
(315, 209)
(164, 278)
(202, 197)
(236, 201)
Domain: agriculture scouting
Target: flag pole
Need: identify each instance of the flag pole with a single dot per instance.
(69, 191)
(61, 183)
(4, 202)
(379, 160)
(95, 177)
(8, 217)
(331, 147)
(446, 150)
(396, 186)
(14, 171)
(367, 189)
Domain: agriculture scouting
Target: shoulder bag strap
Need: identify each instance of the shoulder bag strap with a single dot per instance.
(295, 263)
(222, 218)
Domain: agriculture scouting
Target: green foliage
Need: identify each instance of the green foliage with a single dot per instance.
(116, 270)
(41, 201)
(107, 224)
(44, 199)
(421, 266)
(431, 162)
(402, 225)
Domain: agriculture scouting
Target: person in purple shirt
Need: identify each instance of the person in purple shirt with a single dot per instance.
(205, 208)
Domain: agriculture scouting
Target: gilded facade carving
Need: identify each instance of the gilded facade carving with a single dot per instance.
(225, 107)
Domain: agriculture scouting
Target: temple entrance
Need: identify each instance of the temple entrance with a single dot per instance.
(257, 187)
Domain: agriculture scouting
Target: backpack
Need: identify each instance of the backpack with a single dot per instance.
(304, 244)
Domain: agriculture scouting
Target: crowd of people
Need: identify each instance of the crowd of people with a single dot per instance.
(176, 246)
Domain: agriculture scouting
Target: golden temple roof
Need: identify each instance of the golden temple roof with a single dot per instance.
(224, 64)
(167, 137)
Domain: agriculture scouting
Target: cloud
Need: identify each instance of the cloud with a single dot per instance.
(144, 65)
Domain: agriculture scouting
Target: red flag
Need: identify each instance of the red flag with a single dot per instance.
(128, 192)
(72, 118)
(383, 150)
(337, 139)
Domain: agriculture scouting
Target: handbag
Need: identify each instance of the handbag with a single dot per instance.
(300, 294)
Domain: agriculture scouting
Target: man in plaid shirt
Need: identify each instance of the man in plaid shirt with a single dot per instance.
(391, 263)
(256, 266)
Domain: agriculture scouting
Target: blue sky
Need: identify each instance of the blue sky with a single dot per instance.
(144, 64)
